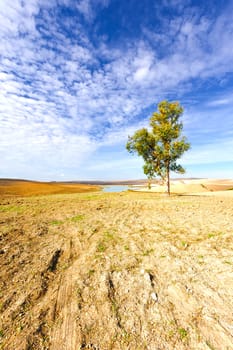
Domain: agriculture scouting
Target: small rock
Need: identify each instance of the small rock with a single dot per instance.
(154, 296)
(189, 290)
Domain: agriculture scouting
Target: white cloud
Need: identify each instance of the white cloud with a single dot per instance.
(87, 7)
(61, 97)
(221, 101)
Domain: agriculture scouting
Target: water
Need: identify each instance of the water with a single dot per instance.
(115, 188)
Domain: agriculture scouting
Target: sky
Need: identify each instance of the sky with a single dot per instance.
(78, 76)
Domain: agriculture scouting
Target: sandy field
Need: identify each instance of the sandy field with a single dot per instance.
(193, 187)
(131, 270)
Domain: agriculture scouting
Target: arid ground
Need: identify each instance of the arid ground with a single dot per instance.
(193, 187)
(131, 270)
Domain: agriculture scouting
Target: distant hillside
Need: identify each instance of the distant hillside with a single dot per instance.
(10, 187)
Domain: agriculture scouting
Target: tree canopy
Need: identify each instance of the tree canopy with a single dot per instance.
(163, 145)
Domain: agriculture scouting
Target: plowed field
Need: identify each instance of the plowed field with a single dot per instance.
(116, 271)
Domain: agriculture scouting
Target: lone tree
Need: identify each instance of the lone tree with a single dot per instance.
(161, 147)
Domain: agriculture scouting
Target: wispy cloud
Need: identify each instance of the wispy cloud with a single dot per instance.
(225, 100)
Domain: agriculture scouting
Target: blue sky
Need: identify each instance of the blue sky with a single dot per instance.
(78, 76)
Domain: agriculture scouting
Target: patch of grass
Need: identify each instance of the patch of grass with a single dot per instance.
(65, 266)
(214, 234)
(12, 208)
(147, 252)
(108, 236)
(56, 222)
(91, 197)
(227, 262)
(200, 259)
(77, 218)
(107, 239)
(184, 244)
(126, 337)
(101, 247)
(1, 333)
(91, 272)
(183, 333)
(99, 258)
(170, 334)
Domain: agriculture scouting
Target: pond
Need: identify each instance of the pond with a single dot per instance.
(115, 188)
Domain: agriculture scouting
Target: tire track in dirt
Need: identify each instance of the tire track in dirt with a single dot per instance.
(66, 333)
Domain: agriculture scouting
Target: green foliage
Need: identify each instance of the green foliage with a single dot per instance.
(161, 147)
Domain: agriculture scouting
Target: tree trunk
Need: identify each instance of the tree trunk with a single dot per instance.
(149, 183)
(168, 180)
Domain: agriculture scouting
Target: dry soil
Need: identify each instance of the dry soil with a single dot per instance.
(116, 271)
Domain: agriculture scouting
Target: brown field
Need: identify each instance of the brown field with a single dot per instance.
(33, 188)
(130, 270)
